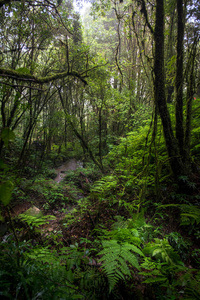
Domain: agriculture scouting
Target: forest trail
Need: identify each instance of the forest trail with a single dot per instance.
(52, 225)
(70, 165)
(22, 207)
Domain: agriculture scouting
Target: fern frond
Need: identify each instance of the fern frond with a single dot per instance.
(104, 185)
(161, 249)
(36, 221)
(191, 294)
(116, 259)
(190, 214)
(123, 235)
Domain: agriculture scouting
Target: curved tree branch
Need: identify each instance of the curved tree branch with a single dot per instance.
(145, 14)
(9, 73)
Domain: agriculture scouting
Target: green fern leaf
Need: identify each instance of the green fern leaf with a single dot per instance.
(134, 249)
(161, 249)
(116, 260)
(104, 185)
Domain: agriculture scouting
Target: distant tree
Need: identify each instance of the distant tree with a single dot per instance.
(158, 20)
(31, 59)
(177, 145)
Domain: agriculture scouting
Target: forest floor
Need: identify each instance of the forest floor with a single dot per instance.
(84, 221)
(77, 220)
(37, 204)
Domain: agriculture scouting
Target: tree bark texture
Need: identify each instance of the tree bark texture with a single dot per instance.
(9, 73)
(179, 78)
(159, 92)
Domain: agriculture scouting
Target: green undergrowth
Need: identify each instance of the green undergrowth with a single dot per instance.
(132, 252)
(129, 233)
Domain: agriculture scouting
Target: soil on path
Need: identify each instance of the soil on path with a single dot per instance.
(70, 165)
(52, 225)
(23, 206)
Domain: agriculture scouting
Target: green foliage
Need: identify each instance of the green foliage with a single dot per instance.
(113, 112)
(129, 153)
(195, 257)
(140, 162)
(23, 70)
(54, 195)
(195, 134)
(50, 173)
(122, 248)
(70, 217)
(171, 280)
(6, 189)
(83, 204)
(37, 274)
(165, 267)
(104, 186)
(160, 263)
(36, 221)
(135, 230)
(190, 214)
(179, 244)
(7, 135)
(116, 260)
(155, 272)
(162, 251)
(187, 181)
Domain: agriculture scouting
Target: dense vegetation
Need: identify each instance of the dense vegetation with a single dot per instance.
(111, 96)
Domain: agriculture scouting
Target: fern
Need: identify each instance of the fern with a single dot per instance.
(192, 290)
(36, 221)
(123, 235)
(155, 272)
(134, 231)
(190, 214)
(104, 185)
(120, 222)
(43, 254)
(116, 260)
(40, 273)
(191, 294)
(163, 251)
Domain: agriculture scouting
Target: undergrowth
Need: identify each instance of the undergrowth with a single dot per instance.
(130, 231)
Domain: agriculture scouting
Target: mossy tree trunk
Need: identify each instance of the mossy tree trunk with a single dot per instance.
(179, 77)
(174, 144)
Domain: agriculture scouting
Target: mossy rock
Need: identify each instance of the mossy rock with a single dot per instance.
(33, 211)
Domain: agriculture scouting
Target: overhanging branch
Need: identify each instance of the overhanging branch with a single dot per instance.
(9, 73)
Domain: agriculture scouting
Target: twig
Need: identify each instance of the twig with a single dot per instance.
(21, 86)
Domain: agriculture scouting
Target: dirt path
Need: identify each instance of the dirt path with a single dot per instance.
(23, 207)
(71, 165)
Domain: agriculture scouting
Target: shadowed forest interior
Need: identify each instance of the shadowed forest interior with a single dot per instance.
(99, 149)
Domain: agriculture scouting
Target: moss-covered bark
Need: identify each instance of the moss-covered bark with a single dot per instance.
(159, 93)
(9, 73)
(179, 77)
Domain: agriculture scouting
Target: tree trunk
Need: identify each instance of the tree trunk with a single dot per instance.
(78, 135)
(159, 93)
(190, 95)
(179, 78)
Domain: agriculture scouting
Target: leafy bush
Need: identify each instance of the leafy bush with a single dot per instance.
(27, 274)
